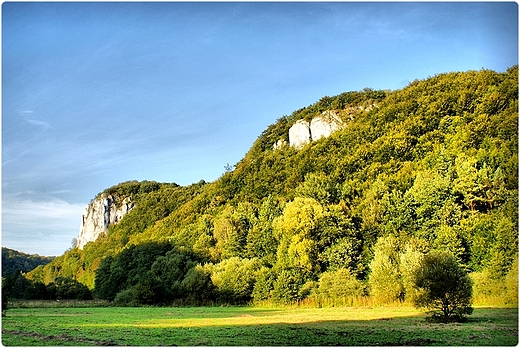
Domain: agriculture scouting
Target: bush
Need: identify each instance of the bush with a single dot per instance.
(338, 288)
(444, 288)
(511, 282)
(487, 289)
(126, 298)
(234, 279)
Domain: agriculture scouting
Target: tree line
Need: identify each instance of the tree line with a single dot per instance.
(13, 261)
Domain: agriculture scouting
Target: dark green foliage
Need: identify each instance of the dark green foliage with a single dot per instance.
(445, 288)
(198, 286)
(16, 286)
(128, 269)
(8, 283)
(5, 298)
(66, 289)
(13, 261)
(170, 270)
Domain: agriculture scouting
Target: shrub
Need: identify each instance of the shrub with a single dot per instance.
(234, 279)
(445, 288)
(126, 298)
(338, 288)
(511, 282)
(487, 289)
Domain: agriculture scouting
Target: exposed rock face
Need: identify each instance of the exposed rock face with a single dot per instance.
(303, 132)
(99, 214)
(324, 125)
(300, 134)
(279, 144)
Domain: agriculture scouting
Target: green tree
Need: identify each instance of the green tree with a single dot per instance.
(230, 232)
(169, 271)
(265, 280)
(234, 279)
(344, 253)
(261, 242)
(409, 262)
(5, 297)
(198, 286)
(296, 230)
(286, 288)
(445, 288)
(385, 279)
(428, 197)
(320, 187)
(67, 288)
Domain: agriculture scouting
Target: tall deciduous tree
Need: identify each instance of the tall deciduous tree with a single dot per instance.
(385, 279)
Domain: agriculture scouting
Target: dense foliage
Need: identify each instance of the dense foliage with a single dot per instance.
(431, 167)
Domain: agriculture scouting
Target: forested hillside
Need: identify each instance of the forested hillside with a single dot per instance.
(13, 261)
(433, 166)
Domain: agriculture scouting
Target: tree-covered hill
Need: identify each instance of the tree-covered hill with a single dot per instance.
(433, 166)
(13, 261)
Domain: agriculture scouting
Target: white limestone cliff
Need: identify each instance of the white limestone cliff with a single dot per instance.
(99, 215)
(299, 134)
(303, 132)
(324, 125)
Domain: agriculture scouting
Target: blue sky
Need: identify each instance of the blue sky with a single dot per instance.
(94, 94)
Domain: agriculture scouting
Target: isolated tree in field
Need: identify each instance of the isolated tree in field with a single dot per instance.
(445, 288)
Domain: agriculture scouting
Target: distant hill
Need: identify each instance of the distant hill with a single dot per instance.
(13, 260)
(430, 167)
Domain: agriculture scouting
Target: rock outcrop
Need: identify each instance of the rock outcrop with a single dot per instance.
(303, 132)
(279, 144)
(300, 134)
(99, 215)
(324, 125)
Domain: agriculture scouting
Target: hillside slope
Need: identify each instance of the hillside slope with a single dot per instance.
(433, 166)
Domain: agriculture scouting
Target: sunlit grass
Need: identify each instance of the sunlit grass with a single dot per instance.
(252, 316)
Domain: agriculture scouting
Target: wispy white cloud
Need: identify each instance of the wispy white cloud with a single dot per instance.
(53, 209)
(39, 123)
(30, 225)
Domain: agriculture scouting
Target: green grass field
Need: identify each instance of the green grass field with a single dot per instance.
(252, 326)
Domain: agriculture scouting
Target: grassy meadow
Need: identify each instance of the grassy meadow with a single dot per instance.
(252, 326)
